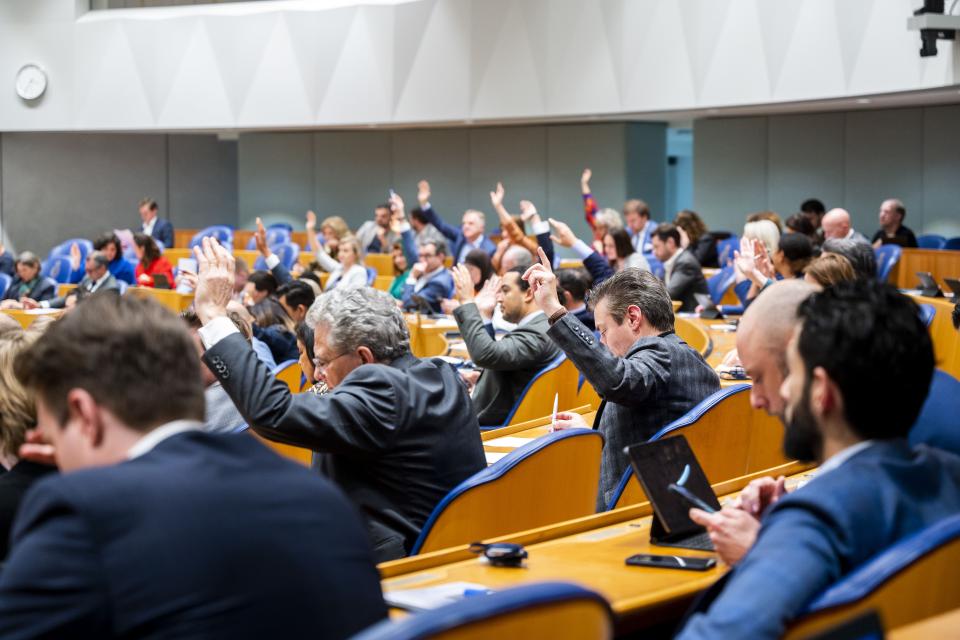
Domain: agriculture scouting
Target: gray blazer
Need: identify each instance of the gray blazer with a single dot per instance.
(659, 380)
(83, 291)
(686, 279)
(508, 364)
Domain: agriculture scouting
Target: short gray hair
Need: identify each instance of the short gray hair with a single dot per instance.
(99, 258)
(516, 256)
(439, 245)
(635, 287)
(859, 254)
(361, 317)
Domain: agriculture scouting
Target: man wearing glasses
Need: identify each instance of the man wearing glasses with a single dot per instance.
(396, 433)
(429, 281)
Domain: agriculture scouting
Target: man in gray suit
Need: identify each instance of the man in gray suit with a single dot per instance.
(682, 272)
(646, 375)
(509, 363)
(395, 433)
(98, 278)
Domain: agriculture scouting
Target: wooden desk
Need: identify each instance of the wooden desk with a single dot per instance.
(427, 335)
(182, 237)
(169, 298)
(175, 254)
(26, 318)
(589, 551)
(941, 264)
(946, 339)
(944, 626)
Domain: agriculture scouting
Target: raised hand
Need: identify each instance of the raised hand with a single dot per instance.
(216, 277)
(423, 193)
(585, 180)
(74, 256)
(463, 283)
(261, 238)
(486, 300)
(543, 282)
(562, 235)
(396, 205)
(311, 221)
(743, 259)
(529, 212)
(762, 260)
(496, 196)
(684, 238)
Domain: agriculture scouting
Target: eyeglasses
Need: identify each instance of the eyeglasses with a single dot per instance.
(322, 366)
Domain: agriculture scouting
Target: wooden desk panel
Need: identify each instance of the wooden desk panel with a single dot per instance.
(946, 339)
(169, 298)
(941, 264)
(26, 318)
(945, 626)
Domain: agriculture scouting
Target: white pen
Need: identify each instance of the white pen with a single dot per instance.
(553, 422)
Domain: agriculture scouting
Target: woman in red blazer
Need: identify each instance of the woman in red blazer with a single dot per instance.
(151, 261)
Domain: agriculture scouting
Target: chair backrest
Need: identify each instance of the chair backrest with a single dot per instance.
(63, 249)
(725, 249)
(927, 314)
(720, 282)
(694, 335)
(587, 395)
(931, 241)
(912, 580)
(558, 610)
(5, 281)
(58, 269)
(952, 244)
(500, 499)
(937, 423)
(371, 276)
(382, 263)
(887, 256)
(382, 283)
(729, 437)
(286, 226)
(288, 252)
(558, 378)
(275, 236)
(221, 232)
(289, 373)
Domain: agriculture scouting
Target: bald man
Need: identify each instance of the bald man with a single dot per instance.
(836, 224)
(762, 338)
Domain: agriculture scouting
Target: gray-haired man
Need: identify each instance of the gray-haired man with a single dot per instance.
(396, 433)
(97, 278)
(646, 375)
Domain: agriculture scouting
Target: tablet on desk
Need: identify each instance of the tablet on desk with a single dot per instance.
(954, 285)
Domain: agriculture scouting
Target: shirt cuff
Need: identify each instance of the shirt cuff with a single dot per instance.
(272, 260)
(582, 249)
(44, 304)
(403, 226)
(411, 280)
(542, 227)
(217, 330)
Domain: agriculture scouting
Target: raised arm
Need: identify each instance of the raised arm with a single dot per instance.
(272, 260)
(509, 228)
(423, 197)
(598, 266)
(589, 203)
(311, 227)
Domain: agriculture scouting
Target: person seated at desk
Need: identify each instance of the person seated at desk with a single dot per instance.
(376, 236)
(154, 226)
(296, 297)
(463, 239)
(396, 433)
(836, 226)
(120, 267)
(259, 286)
(28, 283)
(150, 261)
(828, 270)
(429, 281)
(479, 265)
(98, 278)
(860, 255)
(647, 376)
(573, 287)
(347, 272)
(697, 239)
(892, 229)
(272, 326)
(18, 415)
(7, 264)
(683, 275)
(155, 528)
(871, 490)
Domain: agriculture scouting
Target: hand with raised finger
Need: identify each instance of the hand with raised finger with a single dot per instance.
(543, 283)
(562, 234)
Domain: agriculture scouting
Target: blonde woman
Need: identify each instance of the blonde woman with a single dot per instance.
(333, 229)
(348, 271)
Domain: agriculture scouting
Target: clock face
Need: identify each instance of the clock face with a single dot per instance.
(31, 82)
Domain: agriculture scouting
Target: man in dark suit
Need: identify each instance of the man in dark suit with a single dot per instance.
(463, 239)
(97, 278)
(396, 433)
(646, 375)
(574, 285)
(871, 489)
(429, 281)
(509, 363)
(28, 283)
(683, 274)
(153, 225)
(155, 529)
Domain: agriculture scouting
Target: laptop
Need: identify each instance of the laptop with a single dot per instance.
(954, 285)
(929, 286)
(662, 463)
(710, 310)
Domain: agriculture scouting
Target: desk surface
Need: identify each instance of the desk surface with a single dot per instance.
(26, 318)
(946, 625)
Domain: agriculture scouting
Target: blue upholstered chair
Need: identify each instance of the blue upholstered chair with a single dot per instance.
(221, 232)
(474, 509)
(557, 610)
(937, 424)
(887, 257)
(725, 249)
(5, 281)
(931, 241)
(719, 282)
(58, 269)
(911, 580)
(288, 253)
(952, 244)
(537, 397)
(927, 313)
(275, 235)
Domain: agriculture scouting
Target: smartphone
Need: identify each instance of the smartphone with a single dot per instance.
(690, 498)
(687, 563)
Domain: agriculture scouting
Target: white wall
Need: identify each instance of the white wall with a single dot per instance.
(852, 160)
(331, 62)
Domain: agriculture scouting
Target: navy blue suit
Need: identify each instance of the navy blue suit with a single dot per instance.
(163, 231)
(455, 235)
(205, 536)
(814, 536)
(439, 286)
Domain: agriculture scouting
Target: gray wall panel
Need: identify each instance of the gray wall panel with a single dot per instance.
(442, 157)
(203, 180)
(941, 172)
(353, 171)
(646, 147)
(275, 177)
(517, 156)
(805, 160)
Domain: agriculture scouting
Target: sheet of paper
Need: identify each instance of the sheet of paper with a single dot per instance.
(43, 312)
(508, 441)
(432, 597)
(495, 456)
(723, 327)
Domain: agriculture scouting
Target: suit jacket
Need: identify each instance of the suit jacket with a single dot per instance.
(42, 289)
(7, 264)
(83, 291)
(814, 536)
(586, 317)
(705, 251)
(122, 269)
(455, 235)
(205, 536)
(396, 438)
(657, 381)
(508, 364)
(13, 485)
(163, 231)
(686, 279)
(370, 241)
(438, 287)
